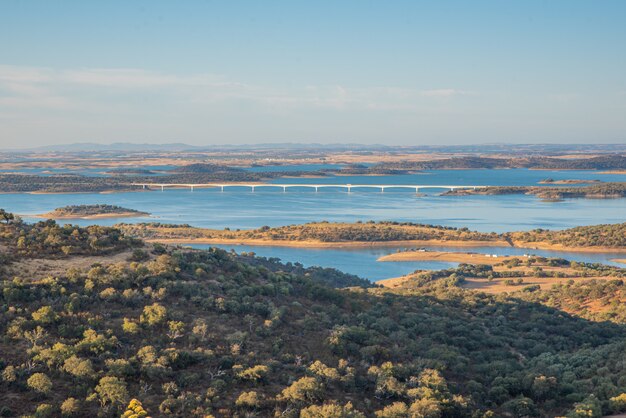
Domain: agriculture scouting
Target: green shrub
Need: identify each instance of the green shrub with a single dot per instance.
(40, 383)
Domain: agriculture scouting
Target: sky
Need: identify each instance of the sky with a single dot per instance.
(351, 71)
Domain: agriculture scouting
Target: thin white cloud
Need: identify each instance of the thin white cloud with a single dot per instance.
(45, 87)
(136, 78)
(10, 73)
(105, 77)
(28, 90)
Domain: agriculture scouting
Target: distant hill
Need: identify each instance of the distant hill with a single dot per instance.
(498, 148)
(134, 147)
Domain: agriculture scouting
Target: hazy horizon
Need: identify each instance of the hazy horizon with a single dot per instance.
(394, 73)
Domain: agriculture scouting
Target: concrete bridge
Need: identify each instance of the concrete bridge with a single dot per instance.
(348, 187)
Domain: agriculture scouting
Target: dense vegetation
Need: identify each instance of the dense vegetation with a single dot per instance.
(598, 300)
(603, 162)
(23, 183)
(91, 210)
(316, 231)
(210, 333)
(328, 276)
(49, 239)
(531, 267)
(607, 235)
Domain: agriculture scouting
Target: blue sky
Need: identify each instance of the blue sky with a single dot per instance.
(392, 72)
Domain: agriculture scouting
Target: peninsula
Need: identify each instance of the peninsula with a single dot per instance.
(597, 238)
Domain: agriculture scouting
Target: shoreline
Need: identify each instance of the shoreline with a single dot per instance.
(449, 256)
(563, 248)
(85, 192)
(320, 244)
(623, 172)
(87, 217)
(566, 182)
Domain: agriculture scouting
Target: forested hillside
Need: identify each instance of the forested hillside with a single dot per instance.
(210, 333)
(602, 162)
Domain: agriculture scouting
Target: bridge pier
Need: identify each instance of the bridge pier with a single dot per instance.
(191, 187)
(417, 190)
(316, 187)
(252, 189)
(284, 189)
(162, 187)
(222, 186)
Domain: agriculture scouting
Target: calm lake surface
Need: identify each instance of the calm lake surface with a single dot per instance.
(362, 261)
(240, 208)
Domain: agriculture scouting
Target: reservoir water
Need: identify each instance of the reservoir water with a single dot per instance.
(241, 208)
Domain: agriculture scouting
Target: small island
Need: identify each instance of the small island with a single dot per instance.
(613, 190)
(92, 212)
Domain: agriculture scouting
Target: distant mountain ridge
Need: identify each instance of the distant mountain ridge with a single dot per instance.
(496, 148)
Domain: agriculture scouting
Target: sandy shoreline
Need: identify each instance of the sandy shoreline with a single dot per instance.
(383, 244)
(613, 172)
(320, 244)
(455, 257)
(560, 247)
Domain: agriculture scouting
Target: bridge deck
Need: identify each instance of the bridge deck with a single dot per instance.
(309, 185)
